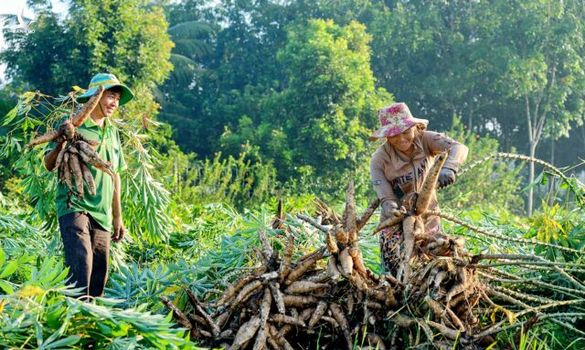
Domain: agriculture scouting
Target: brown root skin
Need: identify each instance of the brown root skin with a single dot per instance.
(265, 306)
(267, 250)
(89, 156)
(350, 215)
(358, 261)
(435, 306)
(346, 262)
(339, 316)
(88, 177)
(332, 268)
(303, 286)
(279, 339)
(319, 312)
(331, 321)
(284, 319)
(299, 301)
(341, 235)
(85, 111)
(261, 337)
(179, 315)
(304, 266)
(361, 222)
(278, 297)
(66, 172)
(77, 174)
(60, 156)
(331, 244)
(48, 137)
(246, 332)
(234, 288)
(395, 220)
(408, 243)
(429, 184)
(197, 305)
(223, 318)
(444, 330)
(285, 264)
(246, 292)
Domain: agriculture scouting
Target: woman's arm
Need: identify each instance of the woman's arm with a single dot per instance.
(388, 199)
(439, 143)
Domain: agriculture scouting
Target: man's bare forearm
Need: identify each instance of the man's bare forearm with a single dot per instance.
(116, 202)
(51, 157)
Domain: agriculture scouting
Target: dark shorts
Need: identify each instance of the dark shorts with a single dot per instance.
(87, 251)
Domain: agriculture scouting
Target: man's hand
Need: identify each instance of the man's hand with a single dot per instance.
(119, 230)
(67, 129)
(446, 177)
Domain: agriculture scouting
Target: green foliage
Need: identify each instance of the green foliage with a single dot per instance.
(326, 105)
(561, 226)
(127, 38)
(48, 319)
(33, 113)
(491, 184)
(267, 90)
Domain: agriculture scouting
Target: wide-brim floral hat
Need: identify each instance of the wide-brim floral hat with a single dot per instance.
(394, 120)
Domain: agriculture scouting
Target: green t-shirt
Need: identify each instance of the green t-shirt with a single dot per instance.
(110, 150)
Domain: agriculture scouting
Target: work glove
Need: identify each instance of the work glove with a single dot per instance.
(446, 177)
(390, 209)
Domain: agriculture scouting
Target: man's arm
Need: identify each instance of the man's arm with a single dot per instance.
(51, 156)
(68, 130)
(119, 229)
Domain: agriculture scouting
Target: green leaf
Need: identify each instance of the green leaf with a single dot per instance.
(6, 287)
(9, 269)
(9, 117)
(63, 343)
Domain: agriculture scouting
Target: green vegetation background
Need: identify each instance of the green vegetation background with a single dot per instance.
(240, 103)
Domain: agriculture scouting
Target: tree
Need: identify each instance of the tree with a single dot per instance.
(431, 55)
(320, 122)
(542, 43)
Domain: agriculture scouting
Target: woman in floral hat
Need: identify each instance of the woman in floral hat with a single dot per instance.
(399, 165)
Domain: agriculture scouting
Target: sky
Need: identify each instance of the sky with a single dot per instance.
(12, 7)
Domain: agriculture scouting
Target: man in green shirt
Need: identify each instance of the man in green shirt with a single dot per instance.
(87, 223)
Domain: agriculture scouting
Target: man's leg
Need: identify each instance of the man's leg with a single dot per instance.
(101, 254)
(76, 238)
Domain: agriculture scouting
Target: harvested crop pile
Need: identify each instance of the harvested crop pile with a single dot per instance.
(441, 296)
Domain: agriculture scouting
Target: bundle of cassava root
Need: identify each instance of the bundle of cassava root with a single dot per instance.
(77, 153)
(329, 299)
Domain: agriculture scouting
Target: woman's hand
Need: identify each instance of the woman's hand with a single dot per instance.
(390, 209)
(446, 177)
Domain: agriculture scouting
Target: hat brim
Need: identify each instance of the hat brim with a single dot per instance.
(126, 95)
(391, 130)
